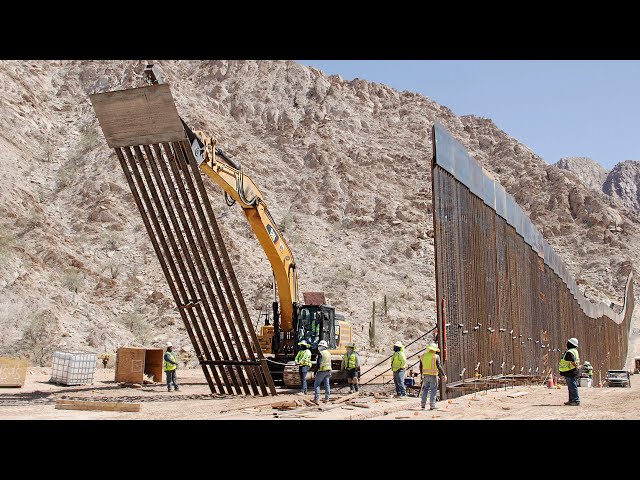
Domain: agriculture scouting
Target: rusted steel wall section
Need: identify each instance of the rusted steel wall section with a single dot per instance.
(510, 301)
(167, 187)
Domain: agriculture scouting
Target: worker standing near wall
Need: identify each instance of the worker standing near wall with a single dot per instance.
(303, 360)
(431, 367)
(398, 367)
(351, 364)
(569, 368)
(323, 371)
(170, 366)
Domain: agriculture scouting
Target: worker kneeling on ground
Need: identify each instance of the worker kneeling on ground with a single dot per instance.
(398, 367)
(170, 365)
(303, 360)
(351, 364)
(431, 367)
(569, 368)
(323, 372)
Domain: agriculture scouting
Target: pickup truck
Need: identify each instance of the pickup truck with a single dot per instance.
(618, 378)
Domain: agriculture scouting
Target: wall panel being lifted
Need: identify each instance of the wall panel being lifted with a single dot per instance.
(143, 127)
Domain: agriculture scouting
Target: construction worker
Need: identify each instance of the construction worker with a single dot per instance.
(323, 371)
(588, 369)
(315, 327)
(431, 367)
(398, 367)
(569, 368)
(170, 365)
(303, 360)
(351, 364)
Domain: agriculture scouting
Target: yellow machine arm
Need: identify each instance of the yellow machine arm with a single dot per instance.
(242, 189)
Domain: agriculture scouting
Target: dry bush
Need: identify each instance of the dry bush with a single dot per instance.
(343, 275)
(40, 338)
(7, 241)
(72, 279)
(138, 326)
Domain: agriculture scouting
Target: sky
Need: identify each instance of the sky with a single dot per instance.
(558, 108)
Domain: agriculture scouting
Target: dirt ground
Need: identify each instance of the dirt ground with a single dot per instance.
(36, 400)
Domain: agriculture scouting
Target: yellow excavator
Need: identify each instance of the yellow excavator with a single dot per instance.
(292, 321)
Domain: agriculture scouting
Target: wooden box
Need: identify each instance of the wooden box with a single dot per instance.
(132, 363)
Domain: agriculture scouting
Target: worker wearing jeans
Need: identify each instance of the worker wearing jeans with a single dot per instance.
(398, 366)
(323, 372)
(569, 368)
(170, 365)
(431, 367)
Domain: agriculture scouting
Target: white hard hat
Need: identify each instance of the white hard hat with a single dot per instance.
(323, 343)
(398, 344)
(169, 344)
(433, 347)
(573, 341)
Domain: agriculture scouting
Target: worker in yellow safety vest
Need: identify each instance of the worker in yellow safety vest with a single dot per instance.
(170, 365)
(430, 368)
(303, 360)
(351, 365)
(323, 371)
(569, 368)
(398, 367)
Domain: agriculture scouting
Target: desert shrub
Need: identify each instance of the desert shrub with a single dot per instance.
(88, 140)
(64, 177)
(72, 279)
(137, 325)
(7, 241)
(343, 275)
(40, 338)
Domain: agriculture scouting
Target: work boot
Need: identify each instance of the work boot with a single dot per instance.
(433, 407)
(177, 389)
(572, 404)
(168, 389)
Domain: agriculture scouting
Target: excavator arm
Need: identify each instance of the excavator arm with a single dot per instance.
(240, 188)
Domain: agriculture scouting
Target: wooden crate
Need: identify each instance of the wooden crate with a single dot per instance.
(133, 363)
(13, 372)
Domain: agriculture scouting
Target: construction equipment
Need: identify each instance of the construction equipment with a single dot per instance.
(292, 321)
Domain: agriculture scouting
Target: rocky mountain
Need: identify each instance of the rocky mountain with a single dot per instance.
(623, 183)
(590, 172)
(344, 167)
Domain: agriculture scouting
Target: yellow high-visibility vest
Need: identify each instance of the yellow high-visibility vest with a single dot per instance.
(350, 361)
(303, 358)
(399, 361)
(429, 366)
(565, 365)
(168, 366)
(325, 361)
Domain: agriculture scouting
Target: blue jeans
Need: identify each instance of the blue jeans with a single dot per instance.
(322, 377)
(303, 378)
(398, 379)
(171, 378)
(572, 383)
(429, 386)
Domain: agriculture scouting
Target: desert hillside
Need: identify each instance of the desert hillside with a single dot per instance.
(344, 167)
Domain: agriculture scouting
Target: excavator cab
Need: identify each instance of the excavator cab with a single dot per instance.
(315, 323)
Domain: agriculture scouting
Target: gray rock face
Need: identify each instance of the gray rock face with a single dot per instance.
(588, 171)
(343, 165)
(623, 182)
